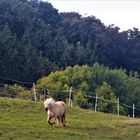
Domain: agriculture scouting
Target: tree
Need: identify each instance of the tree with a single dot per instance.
(107, 99)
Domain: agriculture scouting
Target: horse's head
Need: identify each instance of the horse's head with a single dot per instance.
(48, 103)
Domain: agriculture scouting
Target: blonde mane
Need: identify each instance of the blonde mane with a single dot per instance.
(48, 102)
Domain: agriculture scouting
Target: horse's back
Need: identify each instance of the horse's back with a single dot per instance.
(61, 105)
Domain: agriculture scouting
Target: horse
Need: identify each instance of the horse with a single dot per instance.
(56, 110)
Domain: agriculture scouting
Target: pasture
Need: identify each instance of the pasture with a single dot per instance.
(26, 120)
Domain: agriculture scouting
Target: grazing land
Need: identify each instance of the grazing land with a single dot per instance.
(26, 120)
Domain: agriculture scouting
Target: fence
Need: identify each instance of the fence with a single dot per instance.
(37, 97)
(118, 103)
(14, 86)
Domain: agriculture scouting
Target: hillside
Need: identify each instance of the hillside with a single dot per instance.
(26, 120)
(35, 39)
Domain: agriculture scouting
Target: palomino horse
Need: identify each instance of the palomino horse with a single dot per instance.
(56, 110)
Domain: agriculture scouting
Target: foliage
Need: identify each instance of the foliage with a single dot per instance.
(105, 92)
(110, 84)
(35, 39)
(16, 91)
(81, 101)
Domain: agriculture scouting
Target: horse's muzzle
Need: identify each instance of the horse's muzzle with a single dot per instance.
(46, 109)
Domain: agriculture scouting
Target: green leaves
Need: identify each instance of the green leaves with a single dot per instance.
(105, 92)
(108, 83)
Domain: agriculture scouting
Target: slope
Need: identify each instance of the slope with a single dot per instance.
(26, 120)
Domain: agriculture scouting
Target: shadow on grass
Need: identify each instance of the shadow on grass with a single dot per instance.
(79, 128)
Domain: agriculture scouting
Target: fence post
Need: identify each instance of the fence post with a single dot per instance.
(133, 110)
(118, 107)
(96, 101)
(34, 91)
(70, 97)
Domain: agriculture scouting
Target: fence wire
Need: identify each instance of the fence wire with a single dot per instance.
(113, 101)
(6, 86)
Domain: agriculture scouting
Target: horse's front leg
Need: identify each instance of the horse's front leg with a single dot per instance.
(49, 120)
(54, 121)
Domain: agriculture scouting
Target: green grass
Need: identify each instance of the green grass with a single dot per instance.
(26, 120)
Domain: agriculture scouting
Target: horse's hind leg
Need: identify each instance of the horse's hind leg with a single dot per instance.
(59, 120)
(63, 120)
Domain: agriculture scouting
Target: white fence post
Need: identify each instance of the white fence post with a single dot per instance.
(70, 97)
(96, 101)
(118, 107)
(133, 110)
(34, 91)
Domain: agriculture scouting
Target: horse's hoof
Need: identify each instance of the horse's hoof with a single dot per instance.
(50, 123)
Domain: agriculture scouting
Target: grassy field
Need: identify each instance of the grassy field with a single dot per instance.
(26, 120)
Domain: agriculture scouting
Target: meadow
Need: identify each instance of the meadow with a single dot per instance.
(27, 120)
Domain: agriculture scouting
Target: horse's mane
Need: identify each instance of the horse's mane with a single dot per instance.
(49, 101)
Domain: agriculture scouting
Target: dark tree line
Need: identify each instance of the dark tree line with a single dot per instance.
(36, 39)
